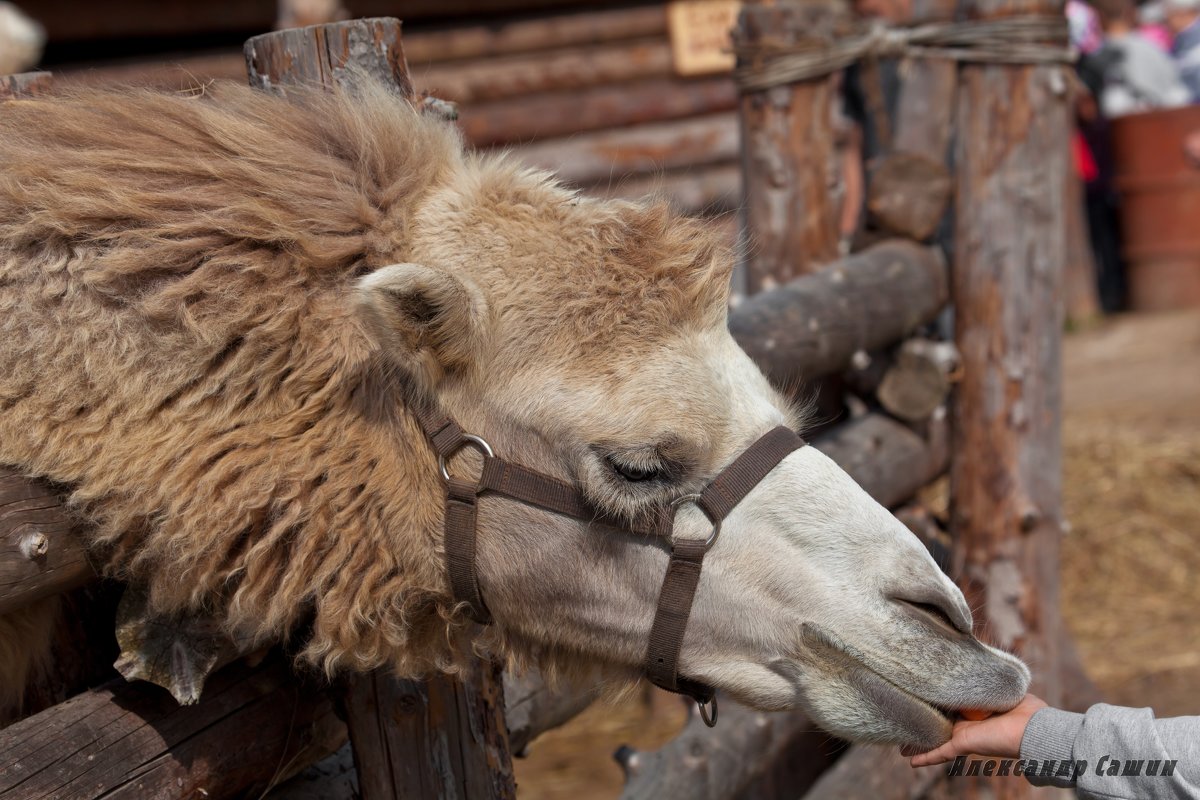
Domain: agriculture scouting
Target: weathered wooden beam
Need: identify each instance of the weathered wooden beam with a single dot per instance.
(815, 324)
(319, 55)
(442, 737)
(41, 553)
(925, 106)
(886, 458)
(788, 152)
(573, 69)
(253, 728)
(552, 114)
(25, 84)
(577, 30)
(531, 707)
(909, 194)
(704, 763)
(880, 773)
(591, 157)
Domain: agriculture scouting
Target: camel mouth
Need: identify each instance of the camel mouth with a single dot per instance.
(899, 716)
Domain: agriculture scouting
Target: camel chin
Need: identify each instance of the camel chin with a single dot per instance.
(854, 696)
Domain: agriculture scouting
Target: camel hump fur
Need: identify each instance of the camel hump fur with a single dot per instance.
(187, 344)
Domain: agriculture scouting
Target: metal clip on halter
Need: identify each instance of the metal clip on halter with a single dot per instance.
(708, 711)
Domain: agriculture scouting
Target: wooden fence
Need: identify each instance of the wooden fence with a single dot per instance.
(860, 324)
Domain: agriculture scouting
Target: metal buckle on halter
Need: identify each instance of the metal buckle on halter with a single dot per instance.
(469, 440)
(695, 498)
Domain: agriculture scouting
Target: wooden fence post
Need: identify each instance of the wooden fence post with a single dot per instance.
(1010, 248)
(791, 217)
(441, 738)
(444, 737)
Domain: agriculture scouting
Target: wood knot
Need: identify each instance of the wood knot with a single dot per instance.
(34, 546)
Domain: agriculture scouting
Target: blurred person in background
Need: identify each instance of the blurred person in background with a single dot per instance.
(1152, 24)
(1182, 18)
(21, 40)
(1136, 74)
(1083, 27)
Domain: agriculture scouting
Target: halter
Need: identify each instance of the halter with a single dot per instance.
(516, 482)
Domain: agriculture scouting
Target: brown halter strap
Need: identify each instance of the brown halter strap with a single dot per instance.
(533, 488)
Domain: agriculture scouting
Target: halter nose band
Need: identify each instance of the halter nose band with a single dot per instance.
(516, 482)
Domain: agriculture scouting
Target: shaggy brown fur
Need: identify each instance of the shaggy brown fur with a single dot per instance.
(181, 340)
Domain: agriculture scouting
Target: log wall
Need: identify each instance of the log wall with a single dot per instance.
(532, 81)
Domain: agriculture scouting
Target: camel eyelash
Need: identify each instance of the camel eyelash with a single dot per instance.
(642, 466)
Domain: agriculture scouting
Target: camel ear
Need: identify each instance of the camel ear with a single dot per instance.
(425, 320)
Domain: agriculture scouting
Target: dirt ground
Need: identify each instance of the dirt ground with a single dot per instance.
(1130, 565)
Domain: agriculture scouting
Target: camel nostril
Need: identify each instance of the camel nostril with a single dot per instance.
(937, 613)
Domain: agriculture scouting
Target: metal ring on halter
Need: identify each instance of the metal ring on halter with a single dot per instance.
(469, 439)
(710, 718)
(695, 498)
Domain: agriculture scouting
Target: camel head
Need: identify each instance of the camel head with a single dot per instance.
(587, 339)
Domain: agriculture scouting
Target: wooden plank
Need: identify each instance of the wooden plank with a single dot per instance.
(320, 54)
(509, 36)
(131, 740)
(441, 738)
(552, 114)
(815, 324)
(589, 158)
(574, 69)
(41, 552)
(788, 153)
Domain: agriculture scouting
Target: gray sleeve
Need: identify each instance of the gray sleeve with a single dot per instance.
(1115, 752)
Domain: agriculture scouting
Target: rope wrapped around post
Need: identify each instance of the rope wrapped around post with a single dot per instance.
(1032, 39)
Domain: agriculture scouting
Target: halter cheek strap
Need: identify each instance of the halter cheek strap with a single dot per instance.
(516, 482)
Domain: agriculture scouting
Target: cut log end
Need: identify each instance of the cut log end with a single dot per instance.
(337, 55)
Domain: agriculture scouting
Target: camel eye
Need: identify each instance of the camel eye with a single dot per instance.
(635, 474)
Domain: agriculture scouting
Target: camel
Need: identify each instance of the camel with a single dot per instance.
(218, 314)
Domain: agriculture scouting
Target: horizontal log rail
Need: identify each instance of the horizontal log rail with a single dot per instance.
(41, 553)
(255, 727)
(814, 325)
(592, 157)
(703, 763)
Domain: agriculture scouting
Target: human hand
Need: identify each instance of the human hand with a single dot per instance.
(998, 735)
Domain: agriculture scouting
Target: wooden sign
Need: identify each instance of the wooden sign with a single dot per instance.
(700, 42)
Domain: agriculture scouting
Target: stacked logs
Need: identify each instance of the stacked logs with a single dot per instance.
(592, 95)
